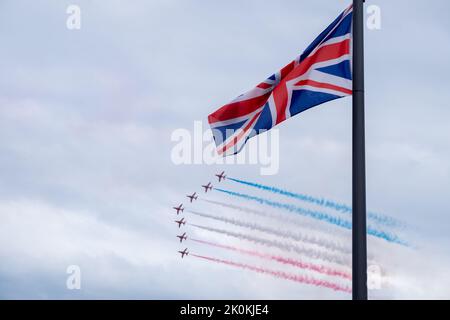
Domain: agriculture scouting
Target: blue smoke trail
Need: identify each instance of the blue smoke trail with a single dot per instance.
(316, 215)
(382, 219)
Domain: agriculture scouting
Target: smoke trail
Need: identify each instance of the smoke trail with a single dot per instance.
(317, 215)
(284, 234)
(311, 253)
(281, 274)
(296, 263)
(277, 216)
(379, 218)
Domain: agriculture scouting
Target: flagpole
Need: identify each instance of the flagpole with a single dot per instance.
(359, 242)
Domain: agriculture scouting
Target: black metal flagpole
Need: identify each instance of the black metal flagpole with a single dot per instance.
(359, 245)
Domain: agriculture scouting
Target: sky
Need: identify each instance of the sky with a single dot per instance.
(87, 119)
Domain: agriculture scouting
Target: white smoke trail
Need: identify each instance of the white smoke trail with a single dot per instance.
(287, 247)
(331, 245)
(297, 221)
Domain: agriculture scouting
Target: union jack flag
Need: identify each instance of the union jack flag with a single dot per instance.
(321, 73)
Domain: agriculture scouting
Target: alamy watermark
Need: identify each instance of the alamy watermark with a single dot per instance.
(197, 146)
(73, 281)
(374, 277)
(73, 21)
(373, 21)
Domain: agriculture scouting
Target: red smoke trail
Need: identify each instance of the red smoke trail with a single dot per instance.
(280, 274)
(297, 263)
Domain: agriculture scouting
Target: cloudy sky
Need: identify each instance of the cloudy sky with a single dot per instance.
(87, 117)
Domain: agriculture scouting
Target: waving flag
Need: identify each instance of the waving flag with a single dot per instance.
(322, 73)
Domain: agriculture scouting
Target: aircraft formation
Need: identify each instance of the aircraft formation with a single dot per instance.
(180, 209)
(329, 249)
